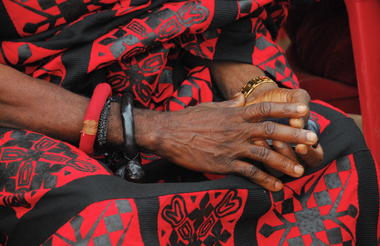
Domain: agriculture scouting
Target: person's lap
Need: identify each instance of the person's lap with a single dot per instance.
(52, 192)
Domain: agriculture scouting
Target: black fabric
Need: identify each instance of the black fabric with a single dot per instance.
(77, 195)
(348, 133)
(148, 220)
(8, 220)
(341, 130)
(77, 71)
(8, 31)
(303, 2)
(236, 43)
(225, 12)
(368, 194)
(257, 204)
(71, 37)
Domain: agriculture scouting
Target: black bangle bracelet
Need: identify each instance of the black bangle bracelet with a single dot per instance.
(133, 170)
(126, 111)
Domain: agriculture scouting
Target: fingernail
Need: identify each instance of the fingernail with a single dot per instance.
(301, 108)
(298, 169)
(278, 185)
(311, 137)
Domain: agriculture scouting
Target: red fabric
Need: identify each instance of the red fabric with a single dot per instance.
(289, 209)
(62, 163)
(91, 224)
(340, 95)
(225, 206)
(363, 15)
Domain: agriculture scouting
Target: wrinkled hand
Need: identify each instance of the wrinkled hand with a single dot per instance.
(310, 155)
(215, 137)
(232, 76)
(285, 96)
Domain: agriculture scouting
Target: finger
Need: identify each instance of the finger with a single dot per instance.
(262, 143)
(302, 149)
(275, 131)
(299, 96)
(284, 149)
(303, 97)
(283, 95)
(270, 170)
(314, 156)
(274, 160)
(297, 122)
(256, 175)
(261, 111)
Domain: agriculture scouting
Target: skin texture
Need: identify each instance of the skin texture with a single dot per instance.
(232, 76)
(215, 137)
(312, 156)
(212, 137)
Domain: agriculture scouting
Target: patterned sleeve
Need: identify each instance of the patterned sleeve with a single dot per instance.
(252, 40)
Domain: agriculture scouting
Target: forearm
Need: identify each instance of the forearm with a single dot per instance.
(212, 137)
(28, 103)
(232, 76)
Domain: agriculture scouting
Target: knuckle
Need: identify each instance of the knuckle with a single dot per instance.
(297, 134)
(302, 93)
(247, 111)
(264, 108)
(269, 180)
(228, 167)
(269, 128)
(251, 171)
(232, 167)
(261, 152)
(286, 165)
(289, 96)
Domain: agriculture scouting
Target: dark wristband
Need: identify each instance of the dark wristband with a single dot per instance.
(133, 170)
(126, 110)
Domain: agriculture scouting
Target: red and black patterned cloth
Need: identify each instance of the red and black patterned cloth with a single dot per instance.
(51, 193)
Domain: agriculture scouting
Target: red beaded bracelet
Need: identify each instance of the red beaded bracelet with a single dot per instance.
(90, 122)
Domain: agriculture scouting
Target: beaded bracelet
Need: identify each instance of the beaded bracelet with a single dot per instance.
(90, 122)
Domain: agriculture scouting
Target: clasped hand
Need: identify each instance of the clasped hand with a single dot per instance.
(217, 138)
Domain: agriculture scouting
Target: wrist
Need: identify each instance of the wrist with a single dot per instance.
(262, 89)
(232, 76)
(115, 127)
(146, 133)
(144, 121)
